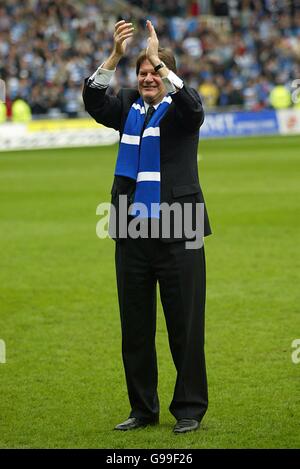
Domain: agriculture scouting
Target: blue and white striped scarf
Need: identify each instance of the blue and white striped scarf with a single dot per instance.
(139, 156)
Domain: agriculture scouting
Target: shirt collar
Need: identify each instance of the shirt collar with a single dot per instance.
(146, 105)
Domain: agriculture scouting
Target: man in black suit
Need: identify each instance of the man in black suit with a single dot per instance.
(141, 262)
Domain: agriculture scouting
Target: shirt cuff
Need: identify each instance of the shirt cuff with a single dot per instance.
(172, 82)
(101, 78)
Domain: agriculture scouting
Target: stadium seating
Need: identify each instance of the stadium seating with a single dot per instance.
(234, 57)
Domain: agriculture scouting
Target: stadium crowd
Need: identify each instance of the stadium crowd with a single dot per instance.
(248, 59)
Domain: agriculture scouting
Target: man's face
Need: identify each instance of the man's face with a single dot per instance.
(150, 84)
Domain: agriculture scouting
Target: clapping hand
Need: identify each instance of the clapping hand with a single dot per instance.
(152, 42)
(123, 31)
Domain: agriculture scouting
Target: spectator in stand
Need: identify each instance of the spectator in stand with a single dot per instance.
(3, 113)
(280, 97)
(21, 111)
(209, 92)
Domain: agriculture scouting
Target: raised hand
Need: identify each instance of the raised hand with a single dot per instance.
(152, 42)
(123, 31)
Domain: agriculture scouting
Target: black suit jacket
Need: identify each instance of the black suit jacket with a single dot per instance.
(179, 138)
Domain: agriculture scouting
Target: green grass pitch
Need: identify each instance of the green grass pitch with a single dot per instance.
(63, 385)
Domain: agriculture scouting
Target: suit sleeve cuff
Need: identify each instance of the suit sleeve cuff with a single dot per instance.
(101, 77)
(172, 82)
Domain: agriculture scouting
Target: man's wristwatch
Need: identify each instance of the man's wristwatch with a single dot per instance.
(159, 66)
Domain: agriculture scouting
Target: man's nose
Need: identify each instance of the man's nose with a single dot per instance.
(149, 77)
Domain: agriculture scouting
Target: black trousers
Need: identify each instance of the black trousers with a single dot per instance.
(180, 273)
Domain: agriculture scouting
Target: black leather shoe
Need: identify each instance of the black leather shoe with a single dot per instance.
(132, 423)
(186, 425)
